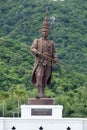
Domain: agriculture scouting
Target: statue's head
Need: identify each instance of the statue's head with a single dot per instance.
(45, 25)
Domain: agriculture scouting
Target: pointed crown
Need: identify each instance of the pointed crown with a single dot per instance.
(45, 22)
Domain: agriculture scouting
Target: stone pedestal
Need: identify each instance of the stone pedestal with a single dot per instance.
(41, 101)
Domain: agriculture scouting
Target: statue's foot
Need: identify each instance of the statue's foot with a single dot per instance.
(38, 97)
(47, 96)
(44, 96)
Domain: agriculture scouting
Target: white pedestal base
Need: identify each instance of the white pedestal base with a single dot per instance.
(41, 111)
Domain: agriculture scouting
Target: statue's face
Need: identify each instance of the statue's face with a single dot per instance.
(45, 32)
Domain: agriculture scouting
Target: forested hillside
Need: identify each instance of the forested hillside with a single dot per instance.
(20, 23)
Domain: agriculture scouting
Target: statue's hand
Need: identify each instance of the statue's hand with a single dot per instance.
(39, 54)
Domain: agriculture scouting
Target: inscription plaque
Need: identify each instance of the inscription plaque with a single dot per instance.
(41, 112)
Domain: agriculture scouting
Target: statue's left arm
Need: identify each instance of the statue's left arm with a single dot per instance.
(55, 57)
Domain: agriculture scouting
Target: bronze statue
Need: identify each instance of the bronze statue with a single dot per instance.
(45, 54)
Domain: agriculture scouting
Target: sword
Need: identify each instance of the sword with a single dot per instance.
(58, 61)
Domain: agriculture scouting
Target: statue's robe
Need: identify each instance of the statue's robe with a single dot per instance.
(38, 46)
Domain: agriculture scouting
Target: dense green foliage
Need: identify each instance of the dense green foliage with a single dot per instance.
(20, 23)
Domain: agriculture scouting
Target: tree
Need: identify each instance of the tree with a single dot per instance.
(19, 94)
(4, 96)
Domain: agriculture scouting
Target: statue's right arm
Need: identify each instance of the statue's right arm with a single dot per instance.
(34, 47)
